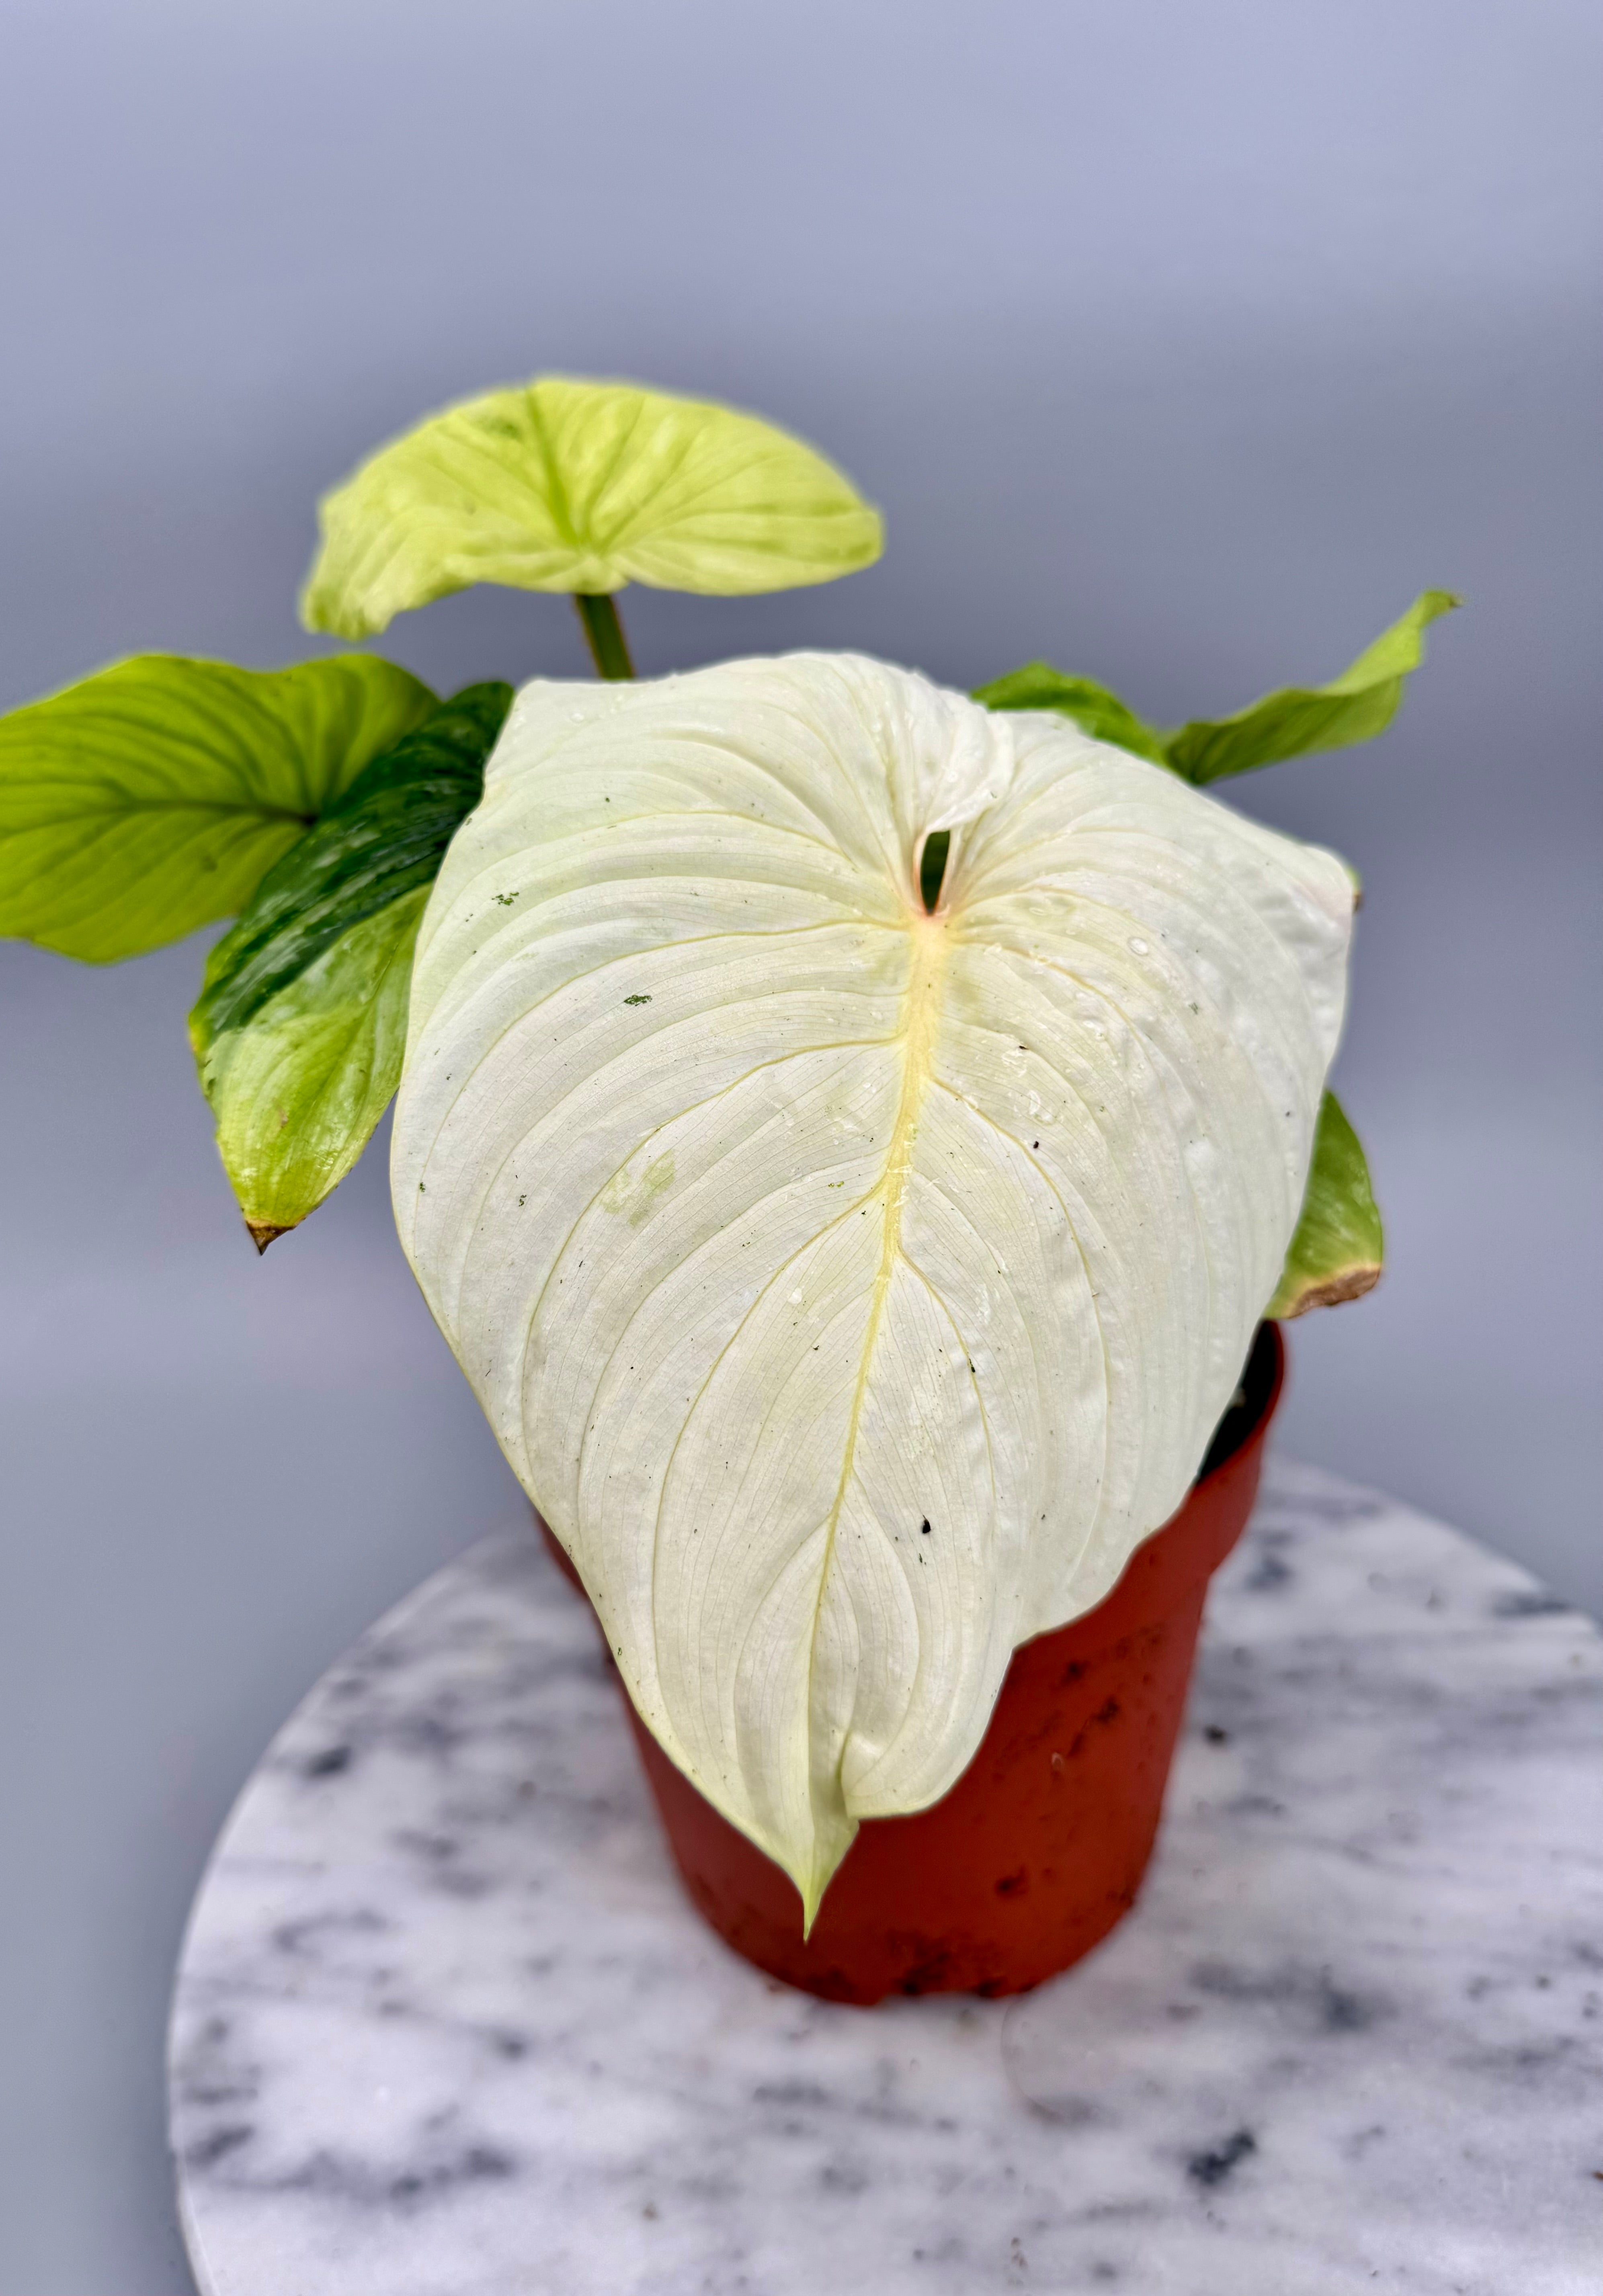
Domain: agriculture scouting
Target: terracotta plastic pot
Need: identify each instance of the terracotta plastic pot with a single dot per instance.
(1040, 1847)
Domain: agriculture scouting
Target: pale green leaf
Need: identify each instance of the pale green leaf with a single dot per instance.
(298, 1089)
(1355, 707)
(1339, 1247)
(154, 796)
(853, 1286)
(565, 485)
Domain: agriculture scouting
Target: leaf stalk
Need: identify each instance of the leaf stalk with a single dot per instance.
(603, 633)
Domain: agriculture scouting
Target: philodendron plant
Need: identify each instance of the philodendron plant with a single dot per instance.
(848, 1131)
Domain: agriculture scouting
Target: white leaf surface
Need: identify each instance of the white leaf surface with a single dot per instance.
(852, 1288)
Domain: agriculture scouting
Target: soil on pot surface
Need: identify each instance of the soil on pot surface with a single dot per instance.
(1040, 1847)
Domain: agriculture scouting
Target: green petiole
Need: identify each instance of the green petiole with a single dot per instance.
(603, 633)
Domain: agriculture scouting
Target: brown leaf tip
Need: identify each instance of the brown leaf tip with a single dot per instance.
(263, 1232)
(1352, 1283)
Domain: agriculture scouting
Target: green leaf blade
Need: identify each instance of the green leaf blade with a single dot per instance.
(1338, 1249)
(384, 835)
(1295, 720)
(1096, 710)
(296, 1032)
(573, 486)
(297, 1091)
(153, 797)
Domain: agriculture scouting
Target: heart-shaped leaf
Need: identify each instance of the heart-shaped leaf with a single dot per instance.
(1339, 1248)
(852, 1286)
(573, 486)
(300, 1027)
(154, 796)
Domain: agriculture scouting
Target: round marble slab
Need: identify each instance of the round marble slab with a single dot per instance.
(445, 2025)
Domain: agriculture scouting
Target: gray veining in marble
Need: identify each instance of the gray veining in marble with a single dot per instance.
(445, 2027)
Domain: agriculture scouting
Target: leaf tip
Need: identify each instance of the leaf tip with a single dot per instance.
(321, 610)
(1334, 1291)
(262, 1233)
(817, 1868)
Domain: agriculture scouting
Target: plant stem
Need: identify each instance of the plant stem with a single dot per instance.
(603, 635)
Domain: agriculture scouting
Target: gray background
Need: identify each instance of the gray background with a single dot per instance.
(1182, 343)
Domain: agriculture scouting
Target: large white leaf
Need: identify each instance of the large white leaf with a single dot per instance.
(852, 1288)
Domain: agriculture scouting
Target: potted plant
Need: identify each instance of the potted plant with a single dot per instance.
(858, 1138)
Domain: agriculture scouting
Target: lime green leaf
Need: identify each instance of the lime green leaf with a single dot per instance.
(153, 797)
(565, 485)
(1092, 708)
(1338, 1248)
(301, 1027)
(1355, 707)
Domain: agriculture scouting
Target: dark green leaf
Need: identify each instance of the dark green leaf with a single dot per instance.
(1339, 1248)
(298, 1090)
(385, 835)
(932, 866)
(301, 1027)
(154, 796)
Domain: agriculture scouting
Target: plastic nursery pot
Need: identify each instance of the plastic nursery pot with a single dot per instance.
(1040, 1847)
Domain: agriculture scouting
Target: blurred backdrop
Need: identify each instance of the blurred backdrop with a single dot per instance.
(1182, 344)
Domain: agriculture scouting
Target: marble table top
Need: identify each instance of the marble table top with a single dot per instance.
(445, 2025)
